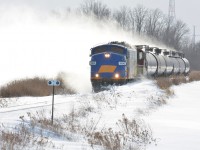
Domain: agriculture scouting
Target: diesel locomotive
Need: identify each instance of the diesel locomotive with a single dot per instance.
(118, 63)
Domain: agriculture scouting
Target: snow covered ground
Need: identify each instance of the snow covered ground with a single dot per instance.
(175, 126)
(108, 107)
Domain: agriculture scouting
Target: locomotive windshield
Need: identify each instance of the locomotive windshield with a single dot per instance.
(99, 49)
(114, 49)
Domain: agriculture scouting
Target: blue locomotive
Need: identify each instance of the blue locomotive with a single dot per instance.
(118, 62)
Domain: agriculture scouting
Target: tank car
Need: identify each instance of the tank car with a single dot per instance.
(118, 62)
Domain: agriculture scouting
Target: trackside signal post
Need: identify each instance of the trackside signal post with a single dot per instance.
(53, 83)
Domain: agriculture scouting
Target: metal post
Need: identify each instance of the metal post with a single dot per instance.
(172, 13)
(53, 83)
(52, 106)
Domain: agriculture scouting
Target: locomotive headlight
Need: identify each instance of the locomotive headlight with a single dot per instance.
(107, 55)
(116, 75)
(96, 75)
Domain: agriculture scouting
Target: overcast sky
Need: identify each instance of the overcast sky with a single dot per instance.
(186, 10)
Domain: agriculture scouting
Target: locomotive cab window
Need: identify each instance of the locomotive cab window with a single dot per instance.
(102, 49)
(99, 49)
(116, 49)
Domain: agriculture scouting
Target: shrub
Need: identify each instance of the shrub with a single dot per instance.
(21, 137)
(163, 82)
(32, 87)
(132, 134)
(61, 127)
(194, 76)
(3, 102)
(176, 80)
(166, 82)
(40, 120)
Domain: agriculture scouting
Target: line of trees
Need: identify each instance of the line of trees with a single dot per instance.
(147, 22)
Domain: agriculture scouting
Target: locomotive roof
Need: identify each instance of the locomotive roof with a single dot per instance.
(116, 43)
(124, 44)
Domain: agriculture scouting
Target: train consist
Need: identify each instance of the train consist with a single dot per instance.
(118, 62)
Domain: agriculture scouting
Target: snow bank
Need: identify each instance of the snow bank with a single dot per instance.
(177, 125)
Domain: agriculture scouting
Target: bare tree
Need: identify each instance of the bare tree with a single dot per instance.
(132, 20)
(180, 31)
(198, 47)
(122, 17)
(174, 33)
(154, 23)
(95, 8)
(167, 36)
(140, 15)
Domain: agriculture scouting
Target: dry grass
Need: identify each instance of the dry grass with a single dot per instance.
(34, 131)
(21, 137)
(166, 82)
(3, 102)
(194, 76)
(32, 87)
(61, 127)
(132, 134)
(41, 120)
